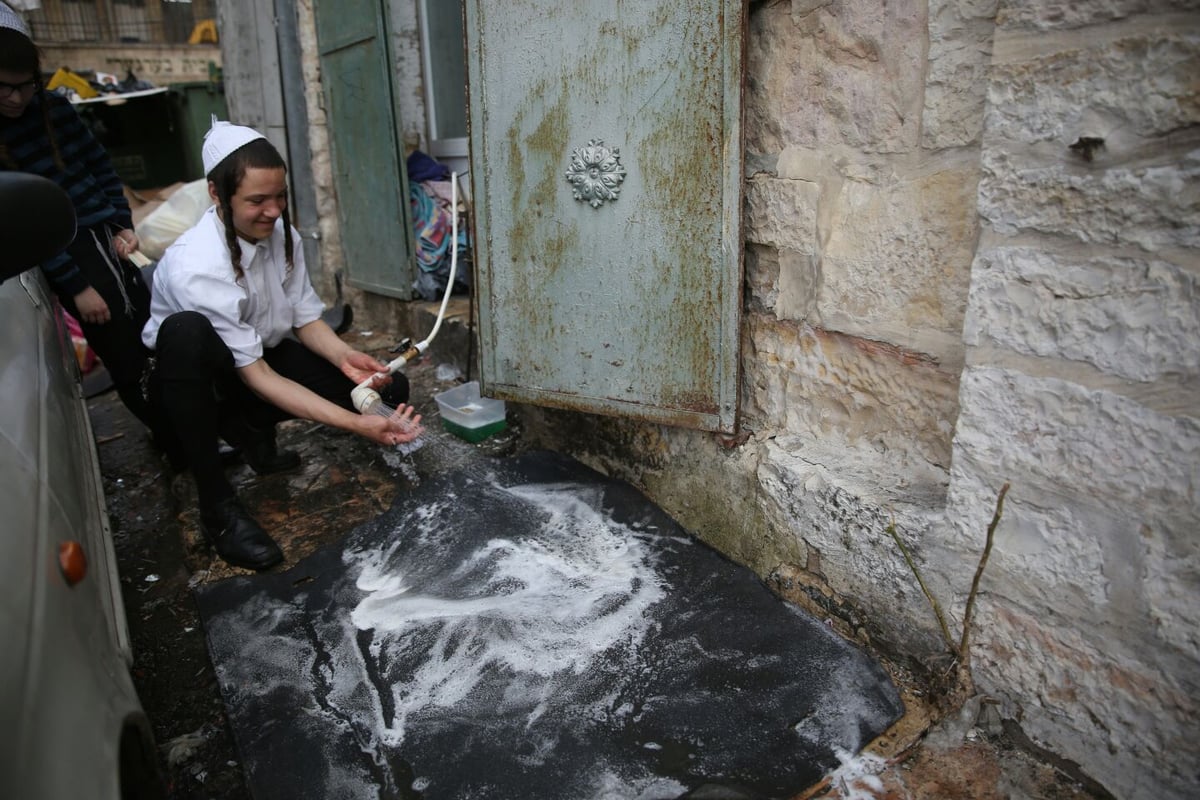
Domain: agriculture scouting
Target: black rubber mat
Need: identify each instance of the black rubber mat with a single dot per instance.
(527, 628)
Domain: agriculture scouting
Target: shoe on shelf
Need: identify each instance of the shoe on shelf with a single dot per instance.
(237, 538)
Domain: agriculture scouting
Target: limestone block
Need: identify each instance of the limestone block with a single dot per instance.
(769, 49)
(960, 54)
(1168, 572)
(839, 501)
(897, 261)
(1127, 90)
(1129, 725)
(1085, 619)
(1153, 207)
(1099, 482)
(762, 277)
(799, 286)
(1136, 318)
(781, 212)
(806, 380)
(1094, 448)
(847, 73)
(1061, 14)
(710, 490)
(1075, 563)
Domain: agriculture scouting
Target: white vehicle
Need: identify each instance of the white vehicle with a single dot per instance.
(73, 726)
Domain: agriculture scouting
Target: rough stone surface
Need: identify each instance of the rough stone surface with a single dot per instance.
(896, 263)
(1153, 207)
(960, 54)
(807, 380)
(1085, 630)
(1096, 141)
(1057, 14)
(831, 496)
(1126, 89)
(1137, 318)
(839, 73)
(782, 213)
(1132, 728)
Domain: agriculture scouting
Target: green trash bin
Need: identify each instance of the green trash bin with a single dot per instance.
(141, 135)
(194, 105)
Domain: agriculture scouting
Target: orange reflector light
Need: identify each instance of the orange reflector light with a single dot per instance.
(72, 561)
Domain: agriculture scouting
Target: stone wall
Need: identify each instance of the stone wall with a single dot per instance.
(971, 258)
(1082, 386)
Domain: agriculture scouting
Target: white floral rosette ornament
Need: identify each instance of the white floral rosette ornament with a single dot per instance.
(596, 173)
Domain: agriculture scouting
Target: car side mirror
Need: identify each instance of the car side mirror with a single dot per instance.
(37, 221)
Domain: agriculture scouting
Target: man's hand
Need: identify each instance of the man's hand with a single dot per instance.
(401, 427)
(358, 366)
(91, 307)
(124, 243)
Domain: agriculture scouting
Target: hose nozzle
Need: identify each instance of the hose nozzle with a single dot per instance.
(364, 398)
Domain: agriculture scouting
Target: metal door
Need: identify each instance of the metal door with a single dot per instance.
(606, 167)
(367, 154)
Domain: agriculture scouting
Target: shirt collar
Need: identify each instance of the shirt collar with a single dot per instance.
(248, 251)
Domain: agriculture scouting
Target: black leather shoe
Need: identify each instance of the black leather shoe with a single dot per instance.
(260, 452)
(237, 538)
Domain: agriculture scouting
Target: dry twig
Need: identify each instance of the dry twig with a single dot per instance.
(969, 612)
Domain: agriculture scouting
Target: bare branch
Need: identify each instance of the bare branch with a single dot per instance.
(937, 608)
(965, 644)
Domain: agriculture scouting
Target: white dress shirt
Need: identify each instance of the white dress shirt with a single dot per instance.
(195, 274)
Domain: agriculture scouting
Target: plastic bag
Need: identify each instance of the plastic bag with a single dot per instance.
(85, 356)
(182, 210)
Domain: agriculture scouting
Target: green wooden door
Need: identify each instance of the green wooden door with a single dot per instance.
(367, 153)
(606, 165)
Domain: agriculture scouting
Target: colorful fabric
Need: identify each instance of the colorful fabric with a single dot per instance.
(433, 226)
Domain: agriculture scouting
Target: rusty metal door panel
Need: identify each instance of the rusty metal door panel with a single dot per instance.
(606, 171)
(366, 151)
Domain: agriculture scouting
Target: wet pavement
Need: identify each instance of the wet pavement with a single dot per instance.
(346, 481)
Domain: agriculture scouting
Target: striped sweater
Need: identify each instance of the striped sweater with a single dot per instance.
(89, 178)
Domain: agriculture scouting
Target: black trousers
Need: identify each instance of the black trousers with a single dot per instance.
(198, 390)
(117, 342)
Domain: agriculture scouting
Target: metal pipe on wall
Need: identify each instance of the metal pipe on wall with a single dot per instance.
(295, 115)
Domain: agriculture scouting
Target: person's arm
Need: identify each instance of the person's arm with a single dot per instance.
(299, 401)
(95, 159)
(354, 364)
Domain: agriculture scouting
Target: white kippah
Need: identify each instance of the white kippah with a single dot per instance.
(11, 19)
(222, 139)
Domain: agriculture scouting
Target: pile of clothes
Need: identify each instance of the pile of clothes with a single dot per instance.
(429, 195)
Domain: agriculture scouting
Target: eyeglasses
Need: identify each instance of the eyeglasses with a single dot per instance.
(9, 89)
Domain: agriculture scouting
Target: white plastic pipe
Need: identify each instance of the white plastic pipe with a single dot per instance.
(365, 398)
